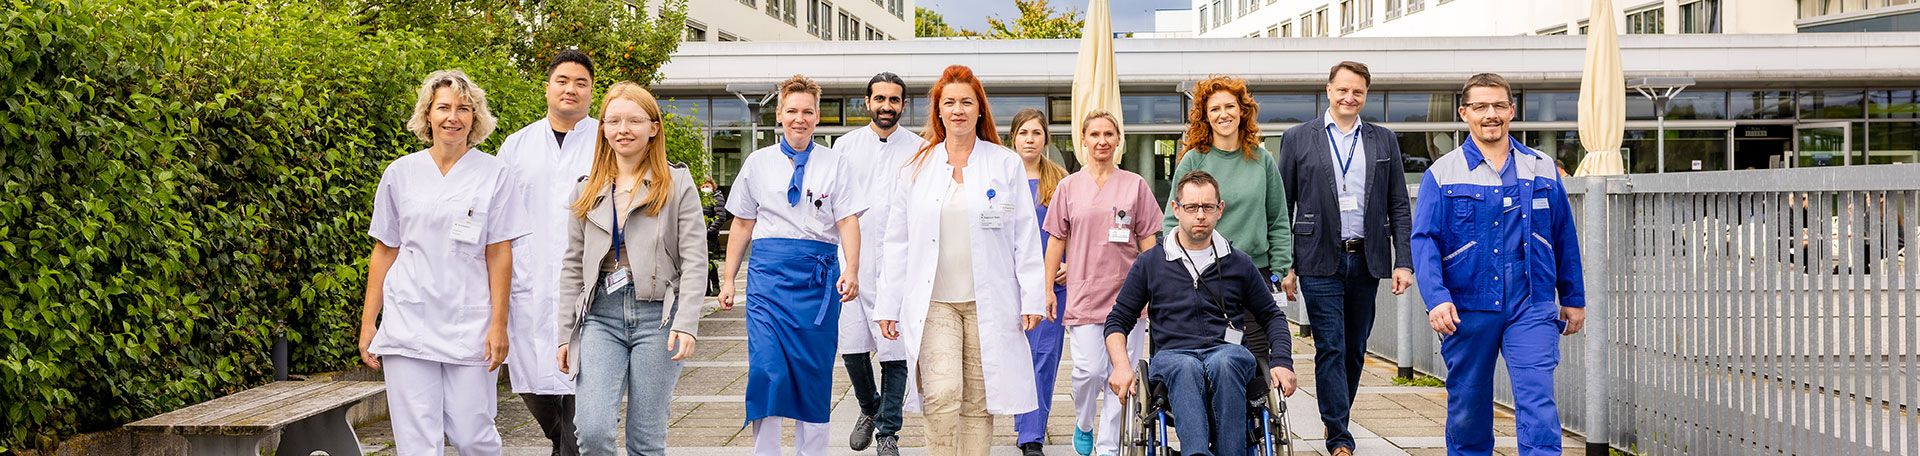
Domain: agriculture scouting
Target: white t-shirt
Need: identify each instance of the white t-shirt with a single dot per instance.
(436, 299)
(828, 195)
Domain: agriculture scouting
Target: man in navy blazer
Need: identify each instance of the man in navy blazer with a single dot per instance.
(1351, 218)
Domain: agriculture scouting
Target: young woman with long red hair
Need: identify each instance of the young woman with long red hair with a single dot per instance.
(960, 244)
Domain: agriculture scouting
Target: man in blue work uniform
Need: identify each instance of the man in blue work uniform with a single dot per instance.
(1493, 248)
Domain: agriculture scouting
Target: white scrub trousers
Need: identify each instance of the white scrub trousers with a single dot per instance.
(428, 401)
(809, 439)
(1090, 392)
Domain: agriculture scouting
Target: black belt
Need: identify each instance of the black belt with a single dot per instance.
(1354, 245)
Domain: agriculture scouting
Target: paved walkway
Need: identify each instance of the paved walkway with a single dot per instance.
(708, 410)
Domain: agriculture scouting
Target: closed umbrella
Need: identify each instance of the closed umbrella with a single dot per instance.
(1095, 86)
(1603, 96)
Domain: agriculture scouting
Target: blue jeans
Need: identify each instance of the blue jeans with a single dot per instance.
(623, 352)
(1207, 390)
(1341, 309)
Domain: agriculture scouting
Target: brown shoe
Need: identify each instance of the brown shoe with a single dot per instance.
(1342, 451)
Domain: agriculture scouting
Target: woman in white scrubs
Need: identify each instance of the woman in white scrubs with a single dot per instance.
(438, 281)
(961, 245)
(796, 201)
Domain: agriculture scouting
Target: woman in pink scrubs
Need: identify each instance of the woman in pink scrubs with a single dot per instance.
(1101, 218)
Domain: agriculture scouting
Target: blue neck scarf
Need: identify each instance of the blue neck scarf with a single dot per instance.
(799, 169)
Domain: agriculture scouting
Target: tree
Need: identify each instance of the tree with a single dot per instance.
(627, 39)
(1037, 20)
(930, 24)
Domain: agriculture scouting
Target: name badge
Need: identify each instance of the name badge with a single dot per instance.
(995, 217)
(1119, 235)
(1540, 203)
(1506, 201)
(465, 230)
(1233, 335)
(617, 280)
(1349, 204)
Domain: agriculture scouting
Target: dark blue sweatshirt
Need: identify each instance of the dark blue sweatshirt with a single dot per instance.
(1184, 317)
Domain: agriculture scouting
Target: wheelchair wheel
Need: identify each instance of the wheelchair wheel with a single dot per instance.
(1141, 416)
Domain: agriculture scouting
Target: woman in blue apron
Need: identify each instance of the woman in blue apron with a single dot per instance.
(1031, 141)
(794, 201)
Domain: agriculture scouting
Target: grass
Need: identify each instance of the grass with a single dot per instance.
(1419, 380)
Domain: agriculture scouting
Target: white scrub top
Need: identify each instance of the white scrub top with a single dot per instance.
(828, 195)
(436, 299)
(548, 172)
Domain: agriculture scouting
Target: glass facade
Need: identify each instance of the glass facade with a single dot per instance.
(1767, 128)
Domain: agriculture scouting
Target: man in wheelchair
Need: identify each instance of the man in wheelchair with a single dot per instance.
(1188, 289)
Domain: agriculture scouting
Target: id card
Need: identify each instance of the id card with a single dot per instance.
(1349, 204)
(1233, 335)
(1119, 235)
(1506, 201)
(1540, 203)
(465, 230)
(617, 280)
(995, 217)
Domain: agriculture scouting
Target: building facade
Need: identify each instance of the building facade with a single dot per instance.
(1408, 18)
(798, 20)
(1761, 101)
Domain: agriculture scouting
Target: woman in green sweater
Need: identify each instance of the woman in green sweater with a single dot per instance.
(1223, 139)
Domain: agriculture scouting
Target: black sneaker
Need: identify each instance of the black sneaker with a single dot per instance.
(889, 446)
(1031, 449)
(862, 434)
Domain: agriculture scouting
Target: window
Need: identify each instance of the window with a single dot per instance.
(1701, 16)
(873, 34)
(1219, 13)
(1561, 30)
(820, 19)
(1415, 6)
(1153, 109)
(1761, 104)
(1273, 31)
(1203, 19)
(1583, 27)
(749, 3)
(783, 10)
(724, 36)
(695, 31)
(1688, 105)
(1687, 150)
(1893, 104)
(1289, 107)
(1252, 5)
(1005, 106)
(1651, 21)
(898, 8)
(1415, 106)
(847, 23)
(1544, 106)
(1320, 21)
(1306, 25)
(1393, 9)
(1355, 15)
(1286, 29)
(1831, 104)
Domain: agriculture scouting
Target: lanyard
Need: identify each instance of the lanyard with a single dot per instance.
(619, 239)
(1353, 148)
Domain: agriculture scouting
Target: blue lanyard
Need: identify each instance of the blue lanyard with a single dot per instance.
(1353, 148)
(613, 205)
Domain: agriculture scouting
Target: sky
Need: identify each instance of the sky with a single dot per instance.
(1128, 15)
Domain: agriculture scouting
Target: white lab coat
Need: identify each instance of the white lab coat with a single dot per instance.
(1007, 274)
(877, 165)
(548, 172)
(437, 302)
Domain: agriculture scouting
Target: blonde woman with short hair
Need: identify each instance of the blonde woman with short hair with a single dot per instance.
(444, 220)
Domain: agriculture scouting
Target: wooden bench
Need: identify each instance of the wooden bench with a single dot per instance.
(310, 416)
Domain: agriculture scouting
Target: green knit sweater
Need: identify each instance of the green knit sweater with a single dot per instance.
(1257, 220)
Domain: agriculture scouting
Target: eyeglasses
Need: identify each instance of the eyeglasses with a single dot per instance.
(1196, 208)
(1483, 108)
(619, 124)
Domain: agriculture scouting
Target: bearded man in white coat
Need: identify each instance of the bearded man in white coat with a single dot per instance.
(549, 156)
(876, 152)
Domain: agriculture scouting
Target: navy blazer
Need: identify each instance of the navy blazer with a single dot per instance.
(1306, 166)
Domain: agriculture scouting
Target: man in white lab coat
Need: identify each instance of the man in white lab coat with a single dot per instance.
(549, 156)
(877, 152)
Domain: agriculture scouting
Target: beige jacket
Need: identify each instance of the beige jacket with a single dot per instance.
(667, 254)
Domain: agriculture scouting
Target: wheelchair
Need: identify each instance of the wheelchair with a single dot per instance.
(1149, 415)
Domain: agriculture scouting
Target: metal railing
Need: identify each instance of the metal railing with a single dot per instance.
(1735, 312)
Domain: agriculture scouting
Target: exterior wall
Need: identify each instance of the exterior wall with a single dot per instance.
(1484, 17)
(753, 23)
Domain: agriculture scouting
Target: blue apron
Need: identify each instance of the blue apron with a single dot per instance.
(790, 340)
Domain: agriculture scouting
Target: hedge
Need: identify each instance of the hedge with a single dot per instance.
(184, 179)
